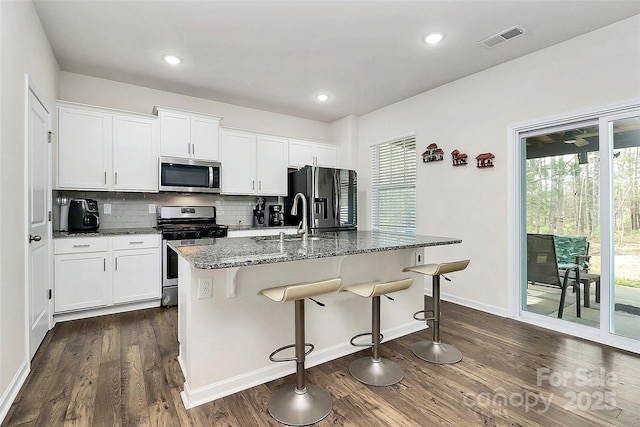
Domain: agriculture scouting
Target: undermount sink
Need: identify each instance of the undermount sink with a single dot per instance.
(288, 238)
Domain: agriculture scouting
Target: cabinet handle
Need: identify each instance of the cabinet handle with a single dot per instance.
(81, 246)
(116, 260)
(137, 242)
(260, 185)
(253, 184)
(116, 178)
(105, 177)
(189, 148)
(104, 264)
(193, 149)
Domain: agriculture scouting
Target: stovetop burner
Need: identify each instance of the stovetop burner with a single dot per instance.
(189, 222)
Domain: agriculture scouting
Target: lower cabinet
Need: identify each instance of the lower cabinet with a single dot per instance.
(81, 281)
(96, 272)
(133, 278)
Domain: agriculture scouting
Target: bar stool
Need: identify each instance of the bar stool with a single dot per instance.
(375, 370)
(435, 351)
(302, 404)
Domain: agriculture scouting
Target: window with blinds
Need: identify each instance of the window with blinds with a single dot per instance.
(393, 186)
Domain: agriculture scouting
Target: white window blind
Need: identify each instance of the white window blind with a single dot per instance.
(393, 186)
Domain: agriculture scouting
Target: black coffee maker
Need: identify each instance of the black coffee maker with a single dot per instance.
(275, 216)
(258, 213)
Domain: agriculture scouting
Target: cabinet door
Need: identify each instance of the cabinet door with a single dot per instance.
(136, 275)
(204, 138)
(135, 154)
(238, 157)
(175, 134)
(84, 143)
(326, 155)
(81, 281)
(300, 154)
(271, 162)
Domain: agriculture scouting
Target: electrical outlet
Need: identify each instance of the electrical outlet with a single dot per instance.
(107, 208)
(417, 257)
(152, 208)
(204, 287)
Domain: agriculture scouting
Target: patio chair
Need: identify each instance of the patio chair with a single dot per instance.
(571, 250)
(543, 268)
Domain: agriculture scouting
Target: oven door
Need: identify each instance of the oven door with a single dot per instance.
(169, 275)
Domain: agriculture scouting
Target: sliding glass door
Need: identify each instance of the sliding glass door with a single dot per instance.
(579, 216)
(561, 218)
(623, 141)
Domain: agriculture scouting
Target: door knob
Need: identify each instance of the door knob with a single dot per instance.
(35, 238)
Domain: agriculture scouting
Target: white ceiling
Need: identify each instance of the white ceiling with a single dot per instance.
(276, 56)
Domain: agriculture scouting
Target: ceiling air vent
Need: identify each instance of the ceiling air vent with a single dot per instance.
(502, 37)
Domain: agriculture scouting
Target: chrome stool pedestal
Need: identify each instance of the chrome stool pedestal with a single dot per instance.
(375, 370)
(435, 351)
(300, 404)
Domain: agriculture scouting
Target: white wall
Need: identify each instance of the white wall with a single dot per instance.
(23, 49)
(112, 94)
(472, 115)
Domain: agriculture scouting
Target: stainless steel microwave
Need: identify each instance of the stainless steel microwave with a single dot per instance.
(188, 175)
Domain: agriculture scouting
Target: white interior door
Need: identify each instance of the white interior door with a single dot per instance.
(38, 238)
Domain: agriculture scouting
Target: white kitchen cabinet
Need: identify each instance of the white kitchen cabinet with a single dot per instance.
(253, 164)
(85, 281)
(302, 153)
(271, 165)
(81, 274)
(135, 154)
(188, 135)
(136, 268)
(84, 143)
(96, 272)
(104, 149)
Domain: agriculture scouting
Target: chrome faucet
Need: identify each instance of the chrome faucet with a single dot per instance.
(303, 227)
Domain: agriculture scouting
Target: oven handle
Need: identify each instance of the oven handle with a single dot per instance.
(210, 176)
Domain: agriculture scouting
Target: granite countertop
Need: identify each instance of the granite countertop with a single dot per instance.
(101, 232)
(245, 251)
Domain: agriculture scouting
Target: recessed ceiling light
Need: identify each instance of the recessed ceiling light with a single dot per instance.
(322, 97)
(172, 59)
(433, 38)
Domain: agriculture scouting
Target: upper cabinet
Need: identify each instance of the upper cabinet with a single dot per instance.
(253, 164)
(135, 150)
(104, 149)
(302, 153)
(188, 135)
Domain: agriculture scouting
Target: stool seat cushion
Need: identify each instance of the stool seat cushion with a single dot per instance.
(436, 269)
(374, 289)
(301, 290)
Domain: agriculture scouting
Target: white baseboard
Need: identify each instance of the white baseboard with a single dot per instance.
(192, 398)
(121, 308)
(13, 389)
(471, 304)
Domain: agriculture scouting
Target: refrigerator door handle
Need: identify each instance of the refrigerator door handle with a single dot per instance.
(336, 193)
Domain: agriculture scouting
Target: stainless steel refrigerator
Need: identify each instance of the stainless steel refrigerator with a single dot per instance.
(331, 198)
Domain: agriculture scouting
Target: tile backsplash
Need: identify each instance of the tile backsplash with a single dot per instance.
(132, 210)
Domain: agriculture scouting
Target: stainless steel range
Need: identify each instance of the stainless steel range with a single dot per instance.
(183, 223)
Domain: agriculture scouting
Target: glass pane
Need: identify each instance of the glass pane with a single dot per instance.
(626, 199)
(562, 213)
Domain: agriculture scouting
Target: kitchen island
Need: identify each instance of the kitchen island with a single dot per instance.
(226, 330)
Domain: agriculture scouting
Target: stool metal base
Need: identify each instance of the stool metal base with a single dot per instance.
(381, 372)
(292, 407)
(436, 352)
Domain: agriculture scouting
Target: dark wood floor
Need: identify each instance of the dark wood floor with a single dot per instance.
(121, 370)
